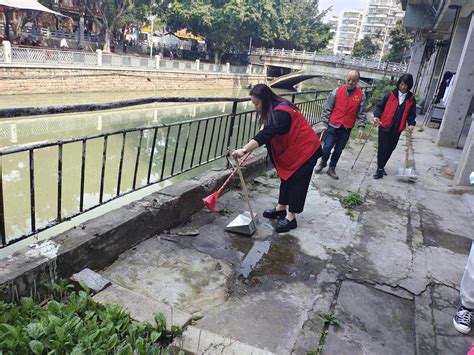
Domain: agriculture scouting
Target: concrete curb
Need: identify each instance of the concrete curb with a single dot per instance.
(98, 242)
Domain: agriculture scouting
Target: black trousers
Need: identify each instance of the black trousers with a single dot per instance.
(294, 190)
(387, 143)
(335, 138)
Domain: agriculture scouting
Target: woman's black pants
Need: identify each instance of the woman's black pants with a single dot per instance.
(294, 190)
(387, 143)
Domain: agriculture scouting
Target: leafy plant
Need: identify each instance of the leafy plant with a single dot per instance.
(78, 325)
(330, 318)
(225, 211)
(352, 200)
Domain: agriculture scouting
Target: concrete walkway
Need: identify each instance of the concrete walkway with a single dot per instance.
(388, 270)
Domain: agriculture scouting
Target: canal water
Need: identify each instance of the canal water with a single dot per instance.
(30, 130)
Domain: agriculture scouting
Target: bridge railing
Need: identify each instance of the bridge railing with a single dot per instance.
(69, 58)
(126, 160)
(338, 59)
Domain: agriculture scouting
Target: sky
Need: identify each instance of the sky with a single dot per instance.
(340, 5)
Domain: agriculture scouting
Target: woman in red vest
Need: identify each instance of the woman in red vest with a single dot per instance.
(293, 147)
(392, 115)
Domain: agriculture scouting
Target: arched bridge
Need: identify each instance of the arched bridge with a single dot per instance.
(310, 65)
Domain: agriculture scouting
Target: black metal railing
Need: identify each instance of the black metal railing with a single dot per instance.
(143, 156)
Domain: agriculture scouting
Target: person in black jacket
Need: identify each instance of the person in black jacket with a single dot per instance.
(392, 114)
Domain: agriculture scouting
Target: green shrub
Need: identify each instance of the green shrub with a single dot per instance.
(78, 325)
(381, 88)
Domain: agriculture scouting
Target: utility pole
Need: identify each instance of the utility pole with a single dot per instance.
(152, 16)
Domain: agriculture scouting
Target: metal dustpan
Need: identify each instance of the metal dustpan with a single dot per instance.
(408, 172)
(243, 224)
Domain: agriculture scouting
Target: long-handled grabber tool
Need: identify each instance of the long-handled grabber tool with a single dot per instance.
(363, 145)
(210, 201)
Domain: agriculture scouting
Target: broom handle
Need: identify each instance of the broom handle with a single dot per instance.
(232, 174)
(246, 194)
(407, 150)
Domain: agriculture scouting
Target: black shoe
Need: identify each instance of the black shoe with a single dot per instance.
(322, 164)
(272, 213)
(378, 174)
(462, 320)
(332, 173)
(384, 172)
(285, 225)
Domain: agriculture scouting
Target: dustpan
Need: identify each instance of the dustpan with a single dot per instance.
(244, 223)
(408, 172)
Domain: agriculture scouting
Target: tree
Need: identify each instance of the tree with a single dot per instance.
(302, 26)
(107, 14)
(399, 44)
(365, 48)
(228, 26)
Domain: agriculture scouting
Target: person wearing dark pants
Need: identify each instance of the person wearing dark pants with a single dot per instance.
(293, 147)
(342, 108)
(392, 114)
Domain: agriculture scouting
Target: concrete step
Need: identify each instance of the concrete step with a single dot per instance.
(202, 342)
(142, 308)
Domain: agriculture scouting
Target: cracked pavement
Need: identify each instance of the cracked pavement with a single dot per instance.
(389, 270)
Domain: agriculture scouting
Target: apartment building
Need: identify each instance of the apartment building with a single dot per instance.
(380, 17)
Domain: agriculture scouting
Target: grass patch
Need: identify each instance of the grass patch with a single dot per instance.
(75, 324)
(225, 211)
(352, 200)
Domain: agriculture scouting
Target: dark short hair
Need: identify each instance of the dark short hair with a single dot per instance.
(407, 79)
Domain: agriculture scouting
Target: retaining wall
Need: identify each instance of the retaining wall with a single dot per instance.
(17, 80)
(98, 242)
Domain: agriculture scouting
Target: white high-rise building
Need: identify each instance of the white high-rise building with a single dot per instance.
(333, 23)
(348, 29)
(380, 17)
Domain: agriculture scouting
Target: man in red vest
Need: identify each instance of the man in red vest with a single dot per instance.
(343, 107)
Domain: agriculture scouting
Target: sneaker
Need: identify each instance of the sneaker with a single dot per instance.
(320, 167)
(272, 213)
(285, 225)
(332, 173)
(384, 172)
(378, 174)
(462, 320)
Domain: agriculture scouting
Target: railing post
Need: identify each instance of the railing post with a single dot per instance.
(157, 61)
(249, 68)
(7, 51)
(232, 122)
(198, 63)
(3, 237)
(99, 57)
(293, 53)
(273, 49)
(293, 98)
(227, 67)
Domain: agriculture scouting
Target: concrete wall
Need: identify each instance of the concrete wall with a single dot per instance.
(17, 80)
(98, 242)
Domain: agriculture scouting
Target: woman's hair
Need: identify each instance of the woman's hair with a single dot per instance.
(407, 79)
(269, 99)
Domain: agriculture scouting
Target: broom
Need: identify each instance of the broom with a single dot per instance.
(210, 201)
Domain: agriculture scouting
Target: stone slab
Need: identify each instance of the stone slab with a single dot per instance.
(142, 308)
(91, 279)
(371, 322)
(200, 341)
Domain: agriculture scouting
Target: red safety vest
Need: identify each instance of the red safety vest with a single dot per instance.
(290, 151)
(346, 107)
(388, 114)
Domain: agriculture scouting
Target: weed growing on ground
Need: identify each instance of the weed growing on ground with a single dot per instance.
(225, 211)
(352, 200)
(330, 318)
